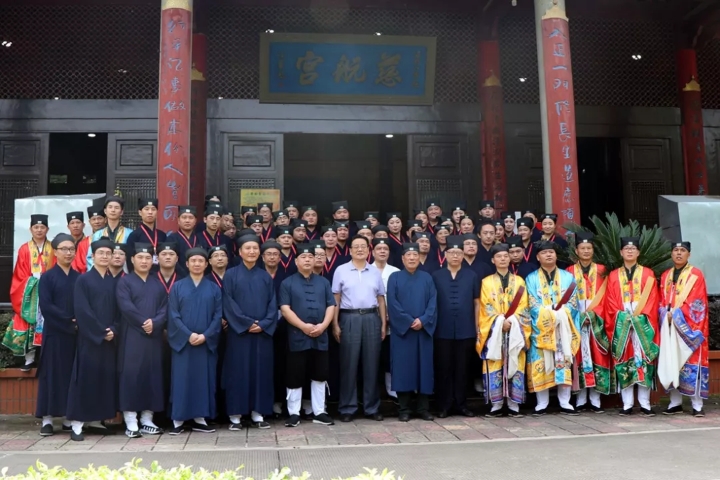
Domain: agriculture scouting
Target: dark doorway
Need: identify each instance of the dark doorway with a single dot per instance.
(369, 171)
(77, 163)
(600, 166)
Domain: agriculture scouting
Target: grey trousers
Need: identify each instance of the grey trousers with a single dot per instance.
(360, 335)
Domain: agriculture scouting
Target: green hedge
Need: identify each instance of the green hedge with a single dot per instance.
(133, 471)
(7, 360)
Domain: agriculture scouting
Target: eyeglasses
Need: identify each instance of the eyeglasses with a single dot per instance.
(66, 250)
(320, 255)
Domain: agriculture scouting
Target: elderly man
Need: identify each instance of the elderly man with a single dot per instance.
(631, 320)
(359, 326)
(381, 250)
(412, 306)
(683, 362)
(555, 337)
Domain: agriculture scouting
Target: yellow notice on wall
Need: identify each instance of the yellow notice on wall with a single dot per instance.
(251, 197)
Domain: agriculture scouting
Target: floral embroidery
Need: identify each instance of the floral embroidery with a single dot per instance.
(697, 311)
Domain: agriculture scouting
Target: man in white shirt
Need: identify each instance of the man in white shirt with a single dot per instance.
(381, 253)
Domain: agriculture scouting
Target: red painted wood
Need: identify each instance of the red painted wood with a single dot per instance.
(198, 131)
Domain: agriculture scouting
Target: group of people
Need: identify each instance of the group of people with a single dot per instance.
(240, 315)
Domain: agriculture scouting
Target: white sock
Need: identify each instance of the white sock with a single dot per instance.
(77, 427)
(131, 420)
(200, 420)
(66, 423)
(146, 419)
(29, 357)
(594, 398)
(307, 406)
(294, 399)
(563, 393)
(643, 394)
(47, 420)
(235, 419)
(317, 394)
(512, 405)
(256, 417)
(388, 385)
(628, 397)
(697, 402)
(178, 423)
(277, 408)
(543, 400)
(581, 398)
(479, 387)
(497, 406)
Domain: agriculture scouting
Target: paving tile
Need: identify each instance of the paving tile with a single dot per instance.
(412, 437)
(323, 440)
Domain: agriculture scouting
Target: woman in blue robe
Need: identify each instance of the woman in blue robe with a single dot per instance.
(59, 335)
(195, 307)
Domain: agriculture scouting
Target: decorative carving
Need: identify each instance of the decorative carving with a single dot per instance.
(492, 81)
(692, 86)
(184, 4)
(555, 12)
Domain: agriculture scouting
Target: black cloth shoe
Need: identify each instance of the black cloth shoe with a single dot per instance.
(595, 409)
(76, 437)
(47, 430)
(235, 427)
(442, 414)
(263, 425)
(539, 413)
(133, 433)
(150, 430)
(427, 416)
(199, 427)
(176, 430)
(323, 419)
(28, 367)
(66, 428)
(495, 413)
(377, 416)
(292, 421)
(673, 410)
(466, 412)
(514, 414)
(625, 412)
(404, 417)
(583, 407)
(569, 411)
(698, 413)
(346, 417)
(648, 412)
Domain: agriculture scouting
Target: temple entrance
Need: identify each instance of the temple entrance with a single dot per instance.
(77, 163)
(369, 171)
(600, 166)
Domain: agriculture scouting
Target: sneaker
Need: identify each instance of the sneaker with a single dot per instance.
(698, 413)
(648, 412)
(673, 410)
(595, 409)
(133, 433)
(176, 430)
(46, 430)
(626, 412)
(323, 419)
(150, 430)
(293, 421)
(235, 427)
(199, 427)
(569, 411)
(514, 414)
(261, 425)
(495, 413)
(539, 413)
(76, 437)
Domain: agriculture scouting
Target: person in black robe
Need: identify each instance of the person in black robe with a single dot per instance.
(428, 258)
(250, 308)
(518, 265)
(147, 231)
(212, 236)
(59, 335)
(342, 248)
(397, 237)
(470, 260)
(310, 217)
(142, 300)
(92, 395)
(486, 236)
(270, 251)
(118, 261)
(194, 323)
(525, 228)
(185, 238)
(218, 260)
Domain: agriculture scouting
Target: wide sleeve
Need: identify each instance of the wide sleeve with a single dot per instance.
(88, 257)
(269, 322)
(128, 311)
(236, 318)
(400, 320)
(178, 333)
(160, 318)
(79, 263)
(650, 310)
(51, 312)
(534, 303)
(212, 333)
(613, 304)
(88, 324)
(488, 313)
(522, 313)
(21, 273)
(429, 318)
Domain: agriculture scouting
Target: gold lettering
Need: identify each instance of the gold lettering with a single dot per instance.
(349, 71)
(307, 65)
(388, 73)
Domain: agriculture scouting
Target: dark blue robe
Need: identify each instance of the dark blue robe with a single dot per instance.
(411, 296)
(396, 249)
(484, 256)
(523, 269)
(431, 264)
(312, 234)
(183, 245)
(57, 354)
(249, 298)
(220, 409)
(287, 263)
(93, 386)
(140, 356)
(456, 303)
(194, 309)
(480, 268)
(530, 254)
(144, 234)
(206, 241)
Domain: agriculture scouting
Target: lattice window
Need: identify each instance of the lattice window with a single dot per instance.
(709, 74)
(234, 39)
(446, 191)
(536, 194)
(132, 189)
(645, 201)
(80, 51)
(10, 189)
(604, 71)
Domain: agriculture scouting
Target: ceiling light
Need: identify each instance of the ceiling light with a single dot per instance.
(4, 43)
(637, 56)
(91, 135)
(220, 98)
(389, 135)
(378, 33)
(122, 70)
(8, 44)
(522, 79)
(56, 98)
(269, 30)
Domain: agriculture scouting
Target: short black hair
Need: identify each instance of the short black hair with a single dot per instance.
(367, 242)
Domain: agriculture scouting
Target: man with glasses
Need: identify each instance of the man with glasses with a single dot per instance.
(359, 326)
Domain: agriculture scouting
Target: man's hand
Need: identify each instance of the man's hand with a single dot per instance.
(337, 332)
(255, 328)
(416, 325)
(194, 339)
(200, 339)
(506, 325)
(147, 326)
(383, 331)
(109, 335)
(307, 329)
(224, 324)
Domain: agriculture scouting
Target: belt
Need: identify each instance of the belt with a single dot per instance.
(359, 311)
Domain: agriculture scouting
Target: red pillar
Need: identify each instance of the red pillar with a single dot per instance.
(696, 182)
(198, 129)
(174, 109)
(558, 107)
(493, 127)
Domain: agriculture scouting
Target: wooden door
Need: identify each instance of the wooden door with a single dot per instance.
(438, 168)
(525, 183)
(251, 161)
(646, 175)
(132, 170)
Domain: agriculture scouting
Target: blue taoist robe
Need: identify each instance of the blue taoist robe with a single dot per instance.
(411, 296)
(140, 356)
(93, 386)
(193, 309)
(183, 245)
(57, 354)
(248, 298)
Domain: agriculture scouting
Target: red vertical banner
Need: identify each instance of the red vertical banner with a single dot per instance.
(696, 181)
(493, 131)
(557, 69)
(174, 109)
(198, 129)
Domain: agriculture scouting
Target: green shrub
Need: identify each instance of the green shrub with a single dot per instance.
(133, 471)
